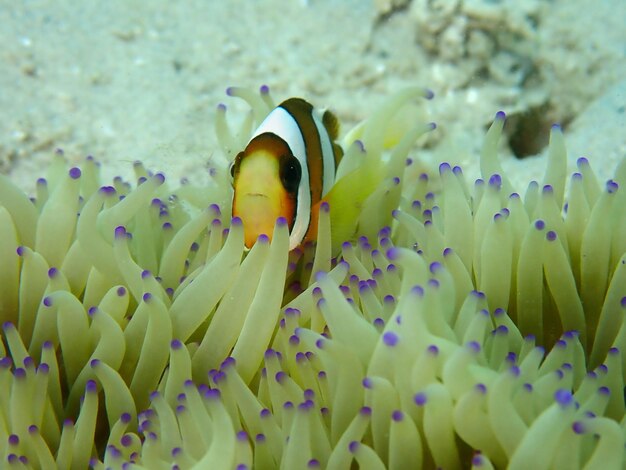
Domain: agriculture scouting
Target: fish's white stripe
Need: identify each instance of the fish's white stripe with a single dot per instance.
(328, 157)
(283, 124)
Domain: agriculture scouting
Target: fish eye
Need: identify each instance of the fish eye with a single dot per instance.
(290, 173)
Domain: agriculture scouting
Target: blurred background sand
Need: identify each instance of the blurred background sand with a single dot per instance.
(128, 80)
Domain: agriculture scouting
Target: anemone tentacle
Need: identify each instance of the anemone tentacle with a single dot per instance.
(460, 325)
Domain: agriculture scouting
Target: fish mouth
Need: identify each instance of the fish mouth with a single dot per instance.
(257, 195)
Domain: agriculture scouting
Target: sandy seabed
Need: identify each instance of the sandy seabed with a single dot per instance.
(127, 80)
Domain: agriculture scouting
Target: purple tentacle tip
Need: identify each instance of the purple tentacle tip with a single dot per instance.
(74, 173)
(390, 338)
(445, 166)
(213, 394)
(393, 254)
(435, 266)
(481, 388)
(305, 405)
(578, 427)
(91, 386)
(228, 362)
(420, 399)
(120, 231)
(611, 186)
(563, 397)
(417, 290)
(501, 115)
(281, 222)
(495, 180)
(478, 460)
(107, 190)
(6, 363)
(397, 415)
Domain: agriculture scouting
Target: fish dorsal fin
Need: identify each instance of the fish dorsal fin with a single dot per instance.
(337, 153)
(331, 123)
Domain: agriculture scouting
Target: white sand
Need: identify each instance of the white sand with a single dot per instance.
(124, 80)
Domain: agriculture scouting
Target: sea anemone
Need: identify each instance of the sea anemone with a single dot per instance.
(459, 325)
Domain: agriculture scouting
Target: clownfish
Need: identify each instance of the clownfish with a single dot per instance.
(286, 169)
